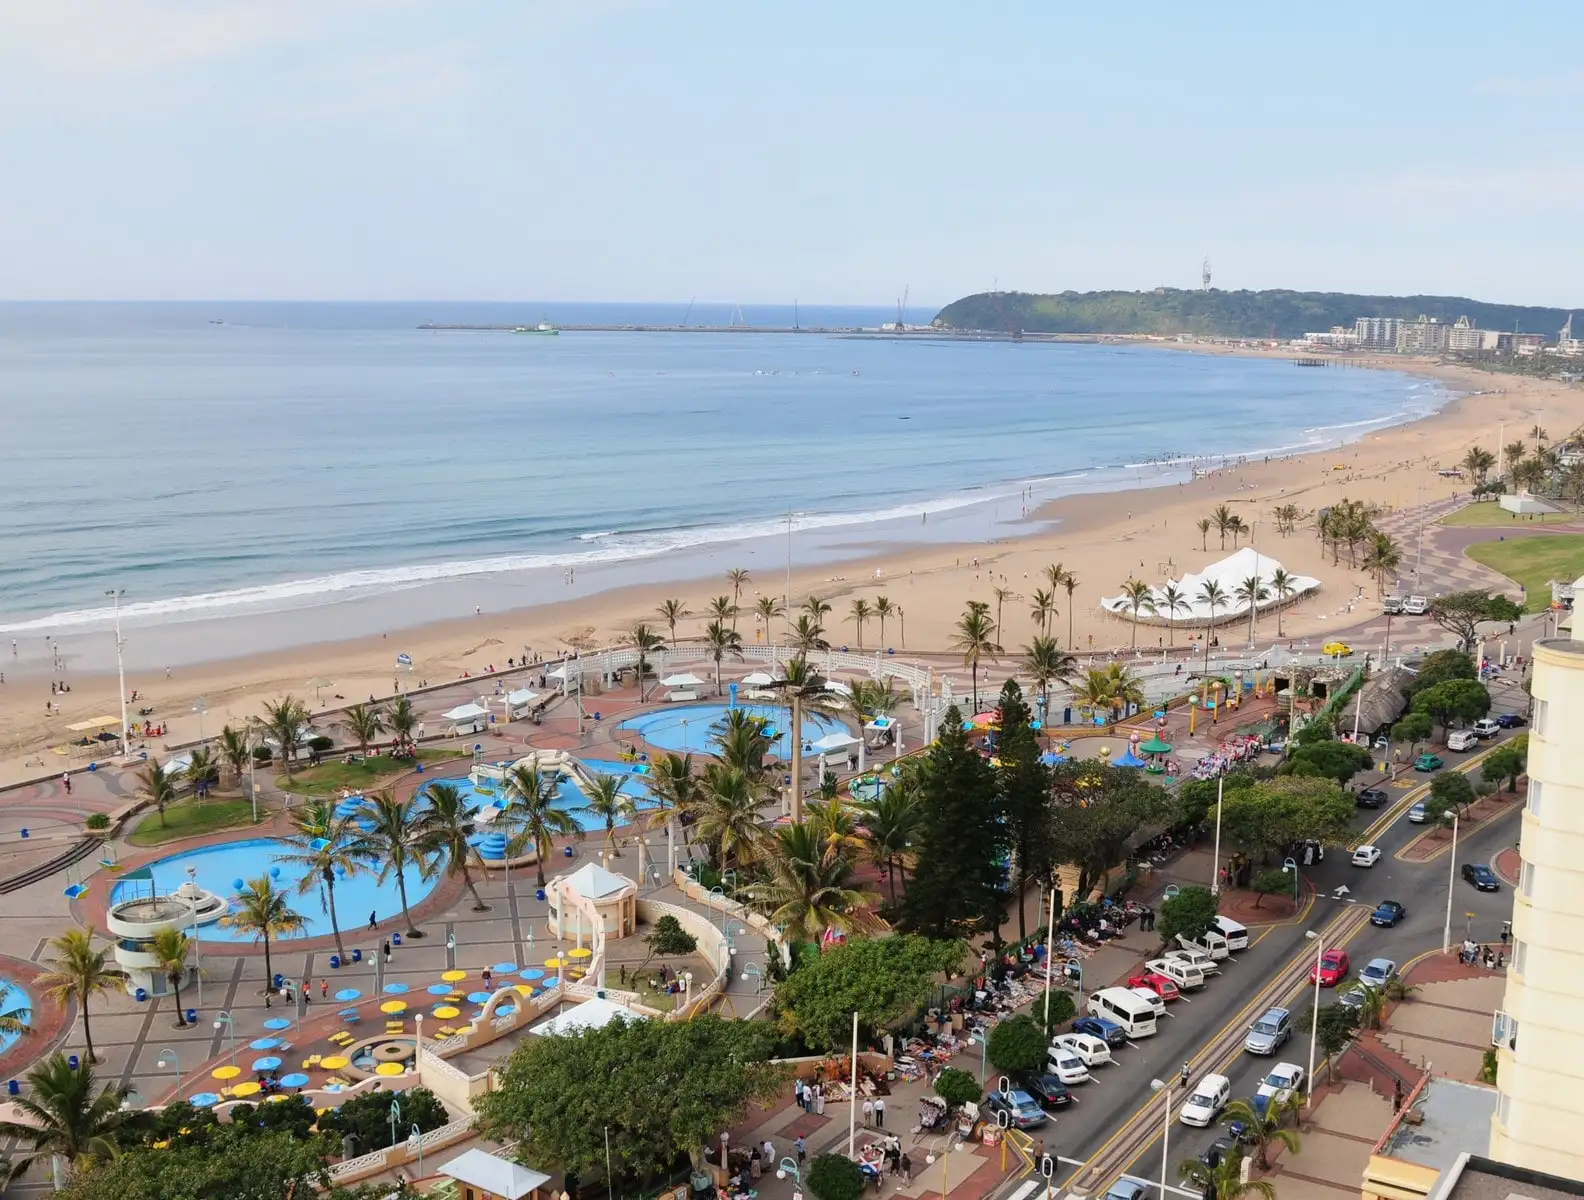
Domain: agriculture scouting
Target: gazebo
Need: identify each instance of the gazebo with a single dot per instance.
(481, 1175)
(615, 898)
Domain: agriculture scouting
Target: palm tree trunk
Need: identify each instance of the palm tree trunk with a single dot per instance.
(269, 970)
(467, 879)
(181, 1017)
(87, 1033)
(540, 843)
(1069, 622)
(335, 926)
(1133, 645)
(401, 890)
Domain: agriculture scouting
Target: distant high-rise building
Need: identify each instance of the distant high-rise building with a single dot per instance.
(1427, 335)
(1463, 338)
(1377, 333)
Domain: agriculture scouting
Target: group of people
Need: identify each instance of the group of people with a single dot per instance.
(810, 1097)
(1472, 954)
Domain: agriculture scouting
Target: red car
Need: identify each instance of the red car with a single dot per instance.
(1159, 984)
(1332, 968)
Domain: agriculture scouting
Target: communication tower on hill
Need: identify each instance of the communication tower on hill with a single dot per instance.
(1204, 276)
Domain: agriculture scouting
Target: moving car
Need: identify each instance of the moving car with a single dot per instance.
(1463, 739)
(1022, 1110)
(1482, 877)
(1353, 997)
(1065, 1065)
(1222, 1147)
(1205, 1102)
(1511, 721)
(1153, 981)
(1267, 1035)
(1429, 762)
(1126, 1189)
(1392, 604)
(1418, 814)
(1416, 606)
(1366, 856)
(1370, 798)
(1336, 650)
(1108, 1032)
(1282, 1083)
(1332, 968)
(1387, 913)
(1090, 1051)
(1378, 972)
(1486, 727)
(1047, 1090)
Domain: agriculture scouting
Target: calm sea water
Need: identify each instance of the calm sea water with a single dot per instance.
(304, 453)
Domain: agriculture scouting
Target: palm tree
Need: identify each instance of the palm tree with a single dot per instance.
(265, 911)
(1212, 595)
(234, 752)
(809, 887)
(646, 641)
(531, 804)
(1001, 595)
(1111, 689)
(393, 833)
(1513, 452)
(1055, 574)
(742, 739)
(975, 639)
(767, 609)
(1203, 526)
(202, 769)
(1478, 462)
(1236, 527)
(1069, 584)
(728, 816)
(1252, 591)
(902, 625)
(604, 799)
(1044, 661)
(1283, 585)
(1138, 595)
(158, 786)
(76, 971)
(883, 608)
(1382, 559)
(445, 825)
(330, 847)
(1224, 1181)
(64, 1120)
(365, 722)
(889, 823)
(804, 688)
(738, 578)
(1222, 519)
(817, 609)
(720, 640)
(1174, 600)
(808, 635)
(1264, 1128)
(672, 611)
(1539, 434)
(286, 720)
(170, 949)
(674, 790)
(402, 720)
(1044, 608)
(722, 608)
(836, 824)
(858, 613)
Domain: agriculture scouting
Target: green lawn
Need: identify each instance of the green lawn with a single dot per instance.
(1490, 514)
(1534, 562)
(188, 818)
(331, 777)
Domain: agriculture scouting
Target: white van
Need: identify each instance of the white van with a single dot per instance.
(1121, 1007)
(1416, 606)
(1182, 974)
(1236, 935)
(1463, 739)
(1211, 942)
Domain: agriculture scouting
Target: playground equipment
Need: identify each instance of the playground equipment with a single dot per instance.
(76, 882)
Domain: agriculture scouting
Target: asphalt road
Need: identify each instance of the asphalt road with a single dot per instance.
(1118, 1091)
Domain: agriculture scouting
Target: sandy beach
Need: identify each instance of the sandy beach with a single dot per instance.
(1104, 539)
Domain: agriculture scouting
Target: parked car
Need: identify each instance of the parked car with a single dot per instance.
(1416, 606)
(1462, 739)
(1269, 1033)
(1065, 1065)
(1378, 972)
(1283, 1082)
(1418, 814)
(1332, 968)
(1370, 797)
(1091, 1051)
(1429, 762)
(1366, 856)
(1512, 721)
(1155, 982)
(1153, 998)
(1392, 604)
(1047, 1090)
(1108, 1032)
(1205, 1102)
(1387, 913)
(1482, 877)
(1352, 997)
(1022, 1110)
(1486, 727)
(1207, 964)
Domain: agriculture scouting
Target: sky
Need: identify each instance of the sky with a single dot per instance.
(752, 152)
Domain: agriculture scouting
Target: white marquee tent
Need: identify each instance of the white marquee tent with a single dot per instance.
(1230, 573)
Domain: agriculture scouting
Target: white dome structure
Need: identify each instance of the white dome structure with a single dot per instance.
(1230, 573)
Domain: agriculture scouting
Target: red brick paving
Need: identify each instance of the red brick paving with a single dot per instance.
(1507, 864)
(1250, 908)
(1439, 968)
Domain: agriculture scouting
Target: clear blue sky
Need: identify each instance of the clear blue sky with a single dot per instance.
(753, 152)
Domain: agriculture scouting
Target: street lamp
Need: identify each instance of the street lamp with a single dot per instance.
(115, 595)
(1446, 932)
(169, 1058)
(1164, 1089)
(395, 1118)
(1314, 1023)
(415, 1146)
(1215, 860)
(223, 1021)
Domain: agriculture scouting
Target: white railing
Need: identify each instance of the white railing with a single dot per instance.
(401, 1152)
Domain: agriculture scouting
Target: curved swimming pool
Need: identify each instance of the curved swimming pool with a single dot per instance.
(689, 728)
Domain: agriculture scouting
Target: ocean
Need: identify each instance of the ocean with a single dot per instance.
(297, 455)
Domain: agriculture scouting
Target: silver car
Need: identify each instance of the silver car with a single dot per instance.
(1267, 1035)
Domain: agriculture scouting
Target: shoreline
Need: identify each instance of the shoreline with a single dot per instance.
(1105, 537)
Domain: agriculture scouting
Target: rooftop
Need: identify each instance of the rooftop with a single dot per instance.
(1455, 1115)
(1471, 1177)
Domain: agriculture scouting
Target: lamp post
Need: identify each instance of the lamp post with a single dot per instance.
(223, 1021)
(722, 891)
(1446, 932)
(115, 595)
(1215, 861)
(1164, 1089)
(415, 1146)
(1050, 957)
(418, 1042)
(169, 1058)
(1314, 1023)
(395, 1119)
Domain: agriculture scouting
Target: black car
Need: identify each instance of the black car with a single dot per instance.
(1511, 721)
(1047, 1090)
(1370, 798)
(1387, 913)
(1222, 1147)
(1108, 1032)
(1482, 877)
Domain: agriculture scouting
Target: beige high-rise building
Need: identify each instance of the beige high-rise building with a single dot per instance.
(1539, 1120)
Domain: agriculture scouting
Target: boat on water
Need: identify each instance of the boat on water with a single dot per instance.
(544, 327)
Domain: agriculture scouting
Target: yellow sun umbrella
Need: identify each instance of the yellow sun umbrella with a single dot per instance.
(523, 989)
(580, 952)
(389, 1068)
(278, 1097)
(394, 1006)
(453, 977)
(246, 1089)
(553, 963)
(226, 1072)
(335, 1062)
(446, 1011)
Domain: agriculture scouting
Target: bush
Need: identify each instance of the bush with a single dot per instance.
(98, 821)
(367, 1117)
(1189, 913)
(835, 1177)
(319, 744)
(1270, 883)
(956, 1086)
(1063, 1008)
(1018, 1044)
(262, 755)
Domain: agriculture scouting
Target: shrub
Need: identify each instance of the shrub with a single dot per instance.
(262, 754)
(835, 1177)
(1063, 1008)
(320, 743)
(956, 1086)
(367, 1117)
(1017, 1044)
(98, 821)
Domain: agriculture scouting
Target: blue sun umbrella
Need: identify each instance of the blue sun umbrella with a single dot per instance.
(553, 981)
(268, 1063)
(204, 1100)
(395, 989)
(263, 1043)
(348, 994)
(479, 997)
(278, 1023)
(295, 1079)
(439, 989)
(1128, 759)
(504, 968)
(531, 973)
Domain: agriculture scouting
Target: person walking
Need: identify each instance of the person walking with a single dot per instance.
(1185, 1073)
(868, 1112)
(879, 1112)
(768, 1151)
(324, 989)
(373, 919)
(385, 949)
(907, 1168)
(802, 1150)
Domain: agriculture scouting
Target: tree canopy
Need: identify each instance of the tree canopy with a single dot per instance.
(1272, 815)
(1461, 613)
(662, 1089)
(1017, 1044)
(1453, 700)
(1099, 811)
(1506, 762)
(1328, 760)
(1023, 785)
(1439, 667)
(886, 981)
(1188, 913)
(956, 1086)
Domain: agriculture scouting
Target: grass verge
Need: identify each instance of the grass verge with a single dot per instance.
(1534, 562)
(330, 777)
(189, 818)
(1490, 514)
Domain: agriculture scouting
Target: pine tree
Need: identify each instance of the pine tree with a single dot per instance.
(1023, 783)
(956, 884)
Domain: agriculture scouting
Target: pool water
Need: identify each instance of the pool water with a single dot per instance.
(569, 796)
(218, 867)
(14, 1001)
(690, 728)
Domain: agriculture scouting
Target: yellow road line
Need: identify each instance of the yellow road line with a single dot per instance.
(1403, 803)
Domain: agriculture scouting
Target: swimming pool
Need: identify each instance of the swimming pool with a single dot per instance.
(219, 867)
(569, 796)
(689, 728)
(14, 1002)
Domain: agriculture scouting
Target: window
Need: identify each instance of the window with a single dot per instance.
(1538, 721)
(1504, 1031)
(1532, 803)
(1526, 881)
(1519, 956)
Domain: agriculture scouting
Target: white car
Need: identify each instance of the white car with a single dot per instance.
(1090, 1051)
(1366, 856)
(1204, 1105)
(1283, 1082)
(1152, 999)
(1066, 1066)
(1196, 958)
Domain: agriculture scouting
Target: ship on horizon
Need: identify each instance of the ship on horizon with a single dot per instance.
(544, 327)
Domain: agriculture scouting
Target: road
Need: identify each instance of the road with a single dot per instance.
(1116, 1125)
